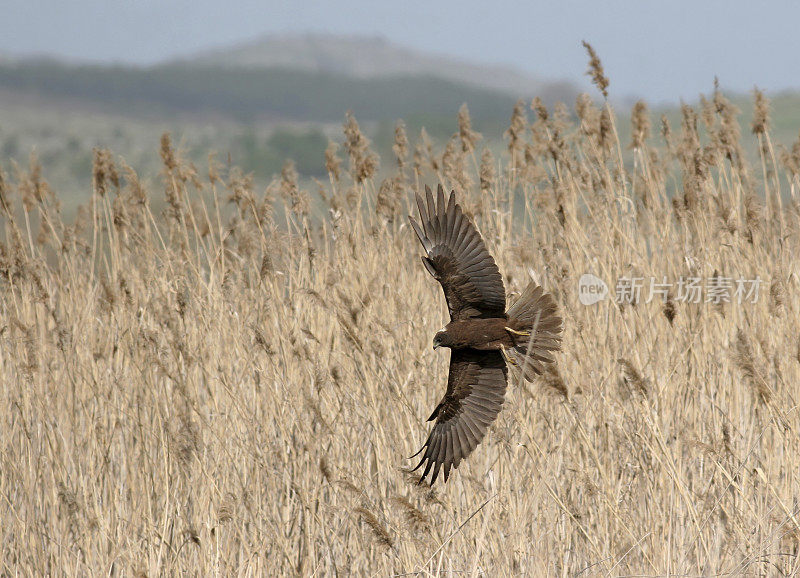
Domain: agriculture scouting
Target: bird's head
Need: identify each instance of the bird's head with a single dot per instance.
(441, 339)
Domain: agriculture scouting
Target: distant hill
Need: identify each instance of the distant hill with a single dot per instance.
(248, 94)
(374, 57)
(306, 78)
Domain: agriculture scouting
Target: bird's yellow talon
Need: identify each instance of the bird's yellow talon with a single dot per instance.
(508, 357)
(520, 333)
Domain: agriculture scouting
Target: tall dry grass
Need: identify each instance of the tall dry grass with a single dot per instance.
(219, 387)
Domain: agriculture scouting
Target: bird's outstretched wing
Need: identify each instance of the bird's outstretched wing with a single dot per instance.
(476, 388)
(458, 259)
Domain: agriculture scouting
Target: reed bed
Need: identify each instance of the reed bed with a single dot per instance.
(203, 378)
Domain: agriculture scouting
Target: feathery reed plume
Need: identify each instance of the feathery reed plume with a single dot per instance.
(134, 190)
(378, 530)
(727, 137)
(516, 130)
(32, 187)
(415, 518)
(32, 348)
(227, 509)
(332, 161)
(708, 114)
(186, 440)
(606, 130)
(753, 214)
(388, 202)
(751, 370)
(540, 133)
(666, 132)
(690, 140)
(454, 165)
(424, 155)
(588, 115)
(363, 162)
(120, 217)
(552, 380)
(40, 291)
(488, 173)
(595, 70)
(168, 153)
(669, 310)
(325, 469)
(537, 106)
(260, 340)
(400, 146)
(103, 169)
(561, 119)
(418, 159)
(760, 124)
(640, 124)
(694, 166)
(214, 168)
(69, 500)
(777, 293)
(468, 136)
(175, 208)
(299, 200)
(267, 266)
(240, 186)
(632, 377)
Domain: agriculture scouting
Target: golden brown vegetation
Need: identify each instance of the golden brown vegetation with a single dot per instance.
(219, 388)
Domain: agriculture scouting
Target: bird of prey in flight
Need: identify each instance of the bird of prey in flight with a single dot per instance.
(483, 337)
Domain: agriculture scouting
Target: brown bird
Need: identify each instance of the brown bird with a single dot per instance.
(482, 336)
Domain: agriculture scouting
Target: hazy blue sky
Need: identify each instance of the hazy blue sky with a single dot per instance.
(661, 50)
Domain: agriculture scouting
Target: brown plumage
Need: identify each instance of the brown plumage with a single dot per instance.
(481, 335)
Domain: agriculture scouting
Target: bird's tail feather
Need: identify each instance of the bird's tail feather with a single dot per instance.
(536, 330)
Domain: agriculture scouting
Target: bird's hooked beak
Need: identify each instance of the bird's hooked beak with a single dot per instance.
(437, 342)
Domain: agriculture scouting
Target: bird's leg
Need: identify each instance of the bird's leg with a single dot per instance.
(519, 333)
(510, 360)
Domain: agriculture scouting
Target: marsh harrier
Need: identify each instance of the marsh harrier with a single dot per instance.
(483, 337)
